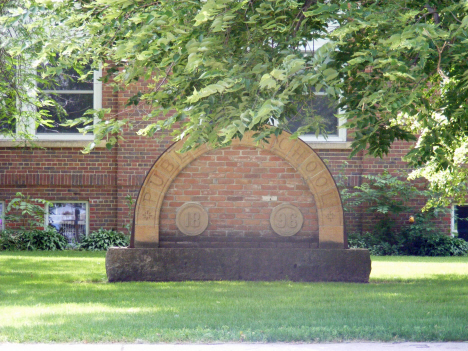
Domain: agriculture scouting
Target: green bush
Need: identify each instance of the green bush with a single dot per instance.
(374, 244)
(385, 249)
(389, 199)
(414, 243)
(386, 197)
(49, 240)
(419, 244)
(8, 240)
(31, 240)
(102, 239)
(28, 213)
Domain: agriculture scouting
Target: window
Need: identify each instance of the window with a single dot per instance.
(7, 111)
(322, 106)
(6, 125)
(460, 221)
(73, 97)
(8, 87)
(2, 215)
(70, 219)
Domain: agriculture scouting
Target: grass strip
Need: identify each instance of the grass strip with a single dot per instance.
(65, 297)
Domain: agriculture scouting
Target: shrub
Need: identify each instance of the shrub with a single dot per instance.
(419, 244)
(385, 196)
(388, 198)
(385, 249)
(102, 239)
(49, 239)
(365, 240)
(26, 212)
(374, 244)
(415, 243)
(8, 240)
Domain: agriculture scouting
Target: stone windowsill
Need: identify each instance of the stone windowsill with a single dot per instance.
(337, 145)
(343, 145)
(49, 143)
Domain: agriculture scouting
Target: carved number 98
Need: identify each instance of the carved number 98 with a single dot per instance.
(289, 219)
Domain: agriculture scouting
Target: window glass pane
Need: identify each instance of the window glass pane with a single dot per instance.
(69, 219)
(7, 125)
(69, 81)
(8, 90)
(74, 104)
(461, 221)
(7, 111)
(322, 106)
(2, 220)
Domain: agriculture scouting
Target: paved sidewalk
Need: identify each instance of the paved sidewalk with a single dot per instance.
(407, 346)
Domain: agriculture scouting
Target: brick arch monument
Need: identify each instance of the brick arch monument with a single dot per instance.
(330, 260)
(297, 153)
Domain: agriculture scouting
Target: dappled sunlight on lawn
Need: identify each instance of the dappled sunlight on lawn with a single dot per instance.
(416, 268)
(18, 316)
(59, 297)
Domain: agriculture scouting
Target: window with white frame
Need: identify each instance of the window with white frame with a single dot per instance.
(459, 226)
(73, 98)
(6, 125)
(7, 110)
(73, 95)
(2, 215)
(321, 105)
(8, 87)
(69, 218)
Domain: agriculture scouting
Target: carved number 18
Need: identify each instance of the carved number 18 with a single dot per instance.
(192, 219)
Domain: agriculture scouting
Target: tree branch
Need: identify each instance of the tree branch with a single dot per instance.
(300, 17)
(435, 14)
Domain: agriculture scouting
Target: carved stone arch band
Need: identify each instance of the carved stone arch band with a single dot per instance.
(294, 151)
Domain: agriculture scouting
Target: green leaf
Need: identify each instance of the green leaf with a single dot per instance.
(277, 74)
(267, 82)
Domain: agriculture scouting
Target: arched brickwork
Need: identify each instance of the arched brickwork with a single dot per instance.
(239, 187)
(297, 153)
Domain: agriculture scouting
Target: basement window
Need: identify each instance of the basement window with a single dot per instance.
(2, 215)
(460, 221)
(69, 218)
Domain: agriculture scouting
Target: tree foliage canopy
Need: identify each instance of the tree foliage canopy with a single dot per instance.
(397, 68)
(404, 73)
(17, 83)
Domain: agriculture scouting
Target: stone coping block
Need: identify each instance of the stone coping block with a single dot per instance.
(253, 264)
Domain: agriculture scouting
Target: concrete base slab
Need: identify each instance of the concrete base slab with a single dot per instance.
(180, 264)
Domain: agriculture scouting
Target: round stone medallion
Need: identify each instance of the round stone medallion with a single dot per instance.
(286, 220)
(191, 219)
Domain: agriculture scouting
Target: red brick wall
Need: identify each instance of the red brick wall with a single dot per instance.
(351, 171)
(105, 178)
(347, 173)
(63, 174)
(235, 186)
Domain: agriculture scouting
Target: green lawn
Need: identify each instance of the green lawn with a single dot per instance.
(64, 297)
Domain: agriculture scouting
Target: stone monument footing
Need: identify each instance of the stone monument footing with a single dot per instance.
(254, 264)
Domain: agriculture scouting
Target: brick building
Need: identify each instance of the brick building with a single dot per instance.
(238, 184)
